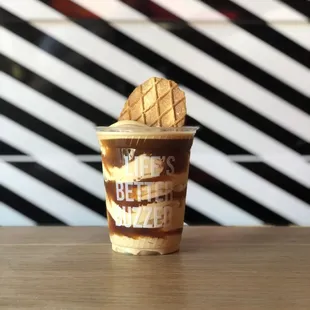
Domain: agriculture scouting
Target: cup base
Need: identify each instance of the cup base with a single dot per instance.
(144, 252)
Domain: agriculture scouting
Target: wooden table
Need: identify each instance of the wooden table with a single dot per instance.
(64, 268)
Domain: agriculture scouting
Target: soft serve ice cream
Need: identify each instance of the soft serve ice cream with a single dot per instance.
(146, 172)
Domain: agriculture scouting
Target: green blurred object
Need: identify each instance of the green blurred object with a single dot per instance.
(17, 71)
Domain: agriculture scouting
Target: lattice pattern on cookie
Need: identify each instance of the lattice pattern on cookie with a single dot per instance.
(156, 102)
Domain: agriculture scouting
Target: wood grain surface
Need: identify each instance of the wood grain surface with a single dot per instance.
(64, 268)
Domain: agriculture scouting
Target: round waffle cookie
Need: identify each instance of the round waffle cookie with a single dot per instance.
(157, 102)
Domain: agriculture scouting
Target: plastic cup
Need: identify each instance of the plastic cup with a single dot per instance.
(145, 174)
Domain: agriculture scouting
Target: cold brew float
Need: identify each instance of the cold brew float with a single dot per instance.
(145, 162)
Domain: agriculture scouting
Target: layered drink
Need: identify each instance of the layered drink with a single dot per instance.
(145, 166)
(146, 173)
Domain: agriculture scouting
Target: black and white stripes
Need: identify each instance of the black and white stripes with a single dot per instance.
(243, 65)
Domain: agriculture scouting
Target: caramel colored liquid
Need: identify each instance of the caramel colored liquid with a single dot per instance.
(145, 181)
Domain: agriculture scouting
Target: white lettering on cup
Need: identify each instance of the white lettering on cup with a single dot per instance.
(159, 186)
(169, 164)
(154, 164)
(120, 196)
(127, 215)
(127, 172)
(138, 212)
(138, 191)
(144, 165)
(157, 218)
(147, 217)
(128, 190)
(149, 190)
(119, 218)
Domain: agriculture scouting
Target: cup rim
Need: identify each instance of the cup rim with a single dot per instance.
(127, 129)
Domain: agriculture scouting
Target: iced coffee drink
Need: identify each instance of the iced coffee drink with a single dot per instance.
(145, 169)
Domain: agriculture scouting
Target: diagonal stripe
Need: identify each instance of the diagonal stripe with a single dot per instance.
(306, 129)
(228, 193)
(193, 217)
(52, 91)
(279, 179)
(244, 44)
(51, 201)
(274, 11)
(140, 33)
(52, 157)
(8, 150)
(121, 71)
(225, 79)
(224, 213)
(43, 108)
(71, 35)
(217, 164)
(271, 151)
(105, 31)
(261, 29)
(287, 115)
(78, 106)
(28, 209)
(297, 33)
(10, 217)
(50, 133)
(38, 14)
(58, 183)
(301, 6)
(62, 74)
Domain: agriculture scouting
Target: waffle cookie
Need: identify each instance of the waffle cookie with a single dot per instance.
(157, 102)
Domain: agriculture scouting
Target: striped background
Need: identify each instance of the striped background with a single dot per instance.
(67, 66)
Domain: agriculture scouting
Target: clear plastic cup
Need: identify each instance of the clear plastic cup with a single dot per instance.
(145, 174)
